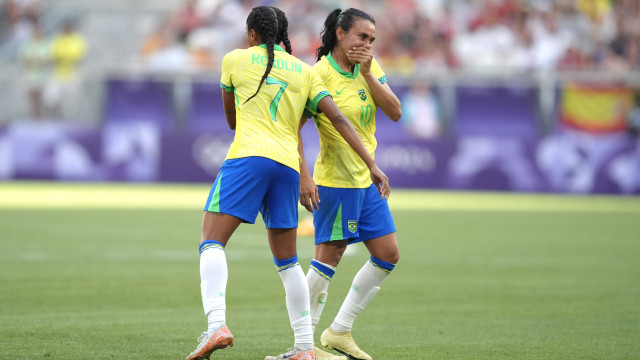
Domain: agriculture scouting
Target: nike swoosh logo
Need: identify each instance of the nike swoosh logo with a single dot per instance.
(340, 92)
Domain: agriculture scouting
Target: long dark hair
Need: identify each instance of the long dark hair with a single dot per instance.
(283, 30)
(345, 20)
(264, 20)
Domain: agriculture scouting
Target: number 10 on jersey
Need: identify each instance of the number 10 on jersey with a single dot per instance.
(366, 115)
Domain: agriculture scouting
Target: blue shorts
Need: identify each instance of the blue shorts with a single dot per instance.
(245, 186)
(353, 214)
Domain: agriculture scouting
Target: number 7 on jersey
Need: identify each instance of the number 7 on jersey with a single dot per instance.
(274, 103)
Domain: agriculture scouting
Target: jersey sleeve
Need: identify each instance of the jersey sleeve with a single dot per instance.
(308, 113)
(317, 91)
(227, 71)
(377, 71)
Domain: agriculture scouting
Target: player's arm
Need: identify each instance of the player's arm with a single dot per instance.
(309, 197)
(382, 93)
(346, 130)
(229, 105)
(384, 97)
(226, 84)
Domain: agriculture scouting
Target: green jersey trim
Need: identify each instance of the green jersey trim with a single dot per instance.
(336, 67)
(307, 113)
(275, 47)
(313, 104)
(226, 88)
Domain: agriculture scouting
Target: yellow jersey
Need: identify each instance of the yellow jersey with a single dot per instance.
(67, 51)
(267, 125)
(338, 165)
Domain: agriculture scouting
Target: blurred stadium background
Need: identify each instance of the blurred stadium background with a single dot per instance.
(532, 99)
(516, 95)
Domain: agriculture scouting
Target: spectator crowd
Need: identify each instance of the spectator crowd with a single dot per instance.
(419, 35)
(412, 35)
(49, 63)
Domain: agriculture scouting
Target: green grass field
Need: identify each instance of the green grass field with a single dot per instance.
(111, 272)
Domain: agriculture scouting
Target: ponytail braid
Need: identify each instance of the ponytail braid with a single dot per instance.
(264, 20)
(328, 34)
(337, 18)
(283, 30)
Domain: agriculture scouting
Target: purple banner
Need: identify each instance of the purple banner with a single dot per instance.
(497, 144)
(566, 162)
(193, 157)
(496, 110)
(205, 112)
(6, 162)
(50, 151)
(139, 101)
(131, 151)
(575, 162)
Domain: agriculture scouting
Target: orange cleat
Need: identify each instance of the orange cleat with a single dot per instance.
(209, 343)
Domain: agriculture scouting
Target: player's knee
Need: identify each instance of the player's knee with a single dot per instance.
(330, 253)
(333, 258)
(394, 257)
(389, 254)
(389, 257)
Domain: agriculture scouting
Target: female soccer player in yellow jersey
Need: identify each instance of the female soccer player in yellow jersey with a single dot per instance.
(265, 92)
(350, 211)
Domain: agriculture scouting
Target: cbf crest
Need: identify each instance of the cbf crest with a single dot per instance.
(363, 94)
(352, 225)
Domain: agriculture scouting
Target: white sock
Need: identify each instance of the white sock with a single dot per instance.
(297, 299)
(318, 278)
(213, 283)
(366, 285)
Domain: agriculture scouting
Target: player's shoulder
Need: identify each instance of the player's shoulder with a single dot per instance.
(375, 65)
(237, 53)
(322, 63)
(322, 67)
(377, 71)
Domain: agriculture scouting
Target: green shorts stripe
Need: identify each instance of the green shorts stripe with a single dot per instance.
(336, 233)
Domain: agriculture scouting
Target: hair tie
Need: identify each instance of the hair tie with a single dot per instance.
(341, 12)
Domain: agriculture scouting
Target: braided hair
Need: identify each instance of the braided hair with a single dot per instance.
(264, 20)
(338, 18)
(283, 30)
